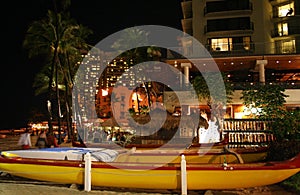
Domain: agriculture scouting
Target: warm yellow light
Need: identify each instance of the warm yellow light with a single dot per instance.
(135, 96)
(104, 92)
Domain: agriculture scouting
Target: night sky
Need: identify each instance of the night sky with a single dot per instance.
(103, 17)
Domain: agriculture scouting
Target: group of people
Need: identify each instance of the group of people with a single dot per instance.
(116, 136)
(45, 140)
(98, 136)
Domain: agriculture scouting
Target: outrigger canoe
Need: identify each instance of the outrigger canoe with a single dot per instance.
(151, 175)
(214, 152)
(160, 155)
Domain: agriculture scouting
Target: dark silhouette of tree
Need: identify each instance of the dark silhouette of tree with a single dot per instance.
(60, 41)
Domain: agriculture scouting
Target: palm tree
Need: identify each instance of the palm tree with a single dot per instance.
(60, 40)
(214, 95)
(137, 38)
(204, 92)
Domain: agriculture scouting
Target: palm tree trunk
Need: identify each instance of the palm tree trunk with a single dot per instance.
(58, 104)
(148, 95)
(50, 91)
(56, 69)
(68, 111)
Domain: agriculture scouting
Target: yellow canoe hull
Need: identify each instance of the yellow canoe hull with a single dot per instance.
(59, 174)
(199, 177)
(196, 180)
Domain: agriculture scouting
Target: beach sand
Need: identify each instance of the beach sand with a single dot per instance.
(11, 185)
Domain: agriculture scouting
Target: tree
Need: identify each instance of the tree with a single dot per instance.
(136, 37)
(267, 99)
(220, 97)
(60, 40)
(199, 84)
(217, 86)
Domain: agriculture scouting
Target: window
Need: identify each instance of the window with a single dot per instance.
(286, 46)
(246, 43)
(221, 44)
(286, 10)
(282, 29)
(230, 44)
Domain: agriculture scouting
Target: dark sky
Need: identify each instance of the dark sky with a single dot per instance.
(103, 17)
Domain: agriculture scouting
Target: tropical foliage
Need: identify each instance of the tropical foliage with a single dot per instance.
(285, 124)
(267, 99)
(60, 42)
(217, 84)
(136, 39)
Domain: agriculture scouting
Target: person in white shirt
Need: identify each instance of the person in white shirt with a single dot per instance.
(25, 140)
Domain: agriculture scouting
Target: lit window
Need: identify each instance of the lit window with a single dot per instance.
(288, 46)
(282, 29)
(221, 44)
(286, 10)
(246, 43)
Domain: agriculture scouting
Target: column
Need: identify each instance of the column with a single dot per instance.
(186, 70)
(261, 69)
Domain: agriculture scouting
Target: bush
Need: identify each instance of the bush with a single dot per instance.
(292, 183)
(284, 150)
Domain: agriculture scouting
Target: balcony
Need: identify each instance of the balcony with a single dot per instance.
(234, 50)
(228, 29)
(187, 9)
(274, 2)
(283, 33)
(217, 11)
(187, 25)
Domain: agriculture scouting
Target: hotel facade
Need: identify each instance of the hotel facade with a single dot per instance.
(252, 41)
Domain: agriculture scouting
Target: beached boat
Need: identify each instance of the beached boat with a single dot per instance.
(201, 155)
(149, 175)
(214, 152)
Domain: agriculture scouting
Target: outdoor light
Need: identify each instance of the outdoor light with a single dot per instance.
(104, 92)
(253, 110)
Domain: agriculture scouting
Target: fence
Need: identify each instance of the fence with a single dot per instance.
(247, 132)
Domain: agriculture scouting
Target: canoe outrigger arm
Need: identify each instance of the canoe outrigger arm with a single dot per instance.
(238, 156)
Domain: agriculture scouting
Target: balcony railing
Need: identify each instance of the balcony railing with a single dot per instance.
(233, 50)
(278, 32)
(242, 26)
(237, 48)
(214, 9)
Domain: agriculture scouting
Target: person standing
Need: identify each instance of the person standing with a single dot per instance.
(25, 140)
(51, 140)
(97, 136)
(42, 140)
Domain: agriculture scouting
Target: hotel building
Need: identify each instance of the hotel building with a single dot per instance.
(253, 41)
